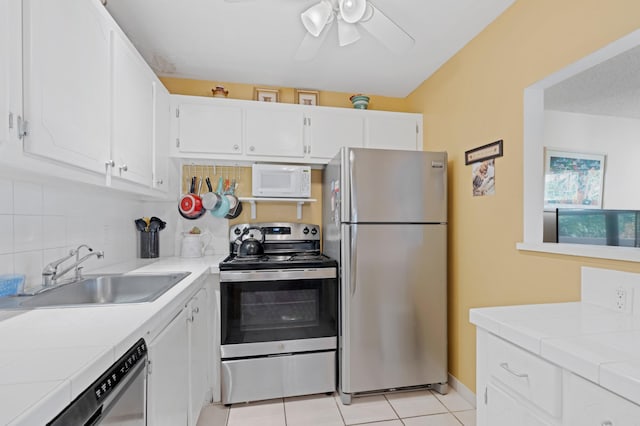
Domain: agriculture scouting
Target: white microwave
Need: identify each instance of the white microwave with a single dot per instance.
(281, 180)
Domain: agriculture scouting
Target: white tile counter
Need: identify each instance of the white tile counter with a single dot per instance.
(591, 338)
(48, 356)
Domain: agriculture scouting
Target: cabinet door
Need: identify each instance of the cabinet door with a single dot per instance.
(208, 127)
(5, 54)
(274, 132)
(161, 129)
(199, 332)
(66, 81)
(132, 113)
(393, 131)
(502, 410)
(588, 404)
(168, 384)
(328, 131)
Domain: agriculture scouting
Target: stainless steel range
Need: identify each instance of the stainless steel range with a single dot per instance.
(278, 309)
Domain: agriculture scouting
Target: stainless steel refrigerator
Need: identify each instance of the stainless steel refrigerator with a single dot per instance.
(385, 219)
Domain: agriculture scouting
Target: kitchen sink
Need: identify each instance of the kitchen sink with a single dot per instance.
(102, 290)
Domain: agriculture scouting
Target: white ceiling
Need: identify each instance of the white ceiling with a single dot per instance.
(255, 42)
(610, 88)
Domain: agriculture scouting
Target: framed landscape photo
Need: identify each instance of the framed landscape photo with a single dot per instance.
(573, 179)
(267, 95)
(307, 97)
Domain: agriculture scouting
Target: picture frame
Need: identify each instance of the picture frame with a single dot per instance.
(484, 152)
(267, 95)
(573, 179)
(307, 97)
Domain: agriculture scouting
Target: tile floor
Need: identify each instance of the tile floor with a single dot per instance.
(418, 408)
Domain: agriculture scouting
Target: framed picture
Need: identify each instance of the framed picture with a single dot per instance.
(267, 95)
(307, 97)
(573, 179)
(484, 152)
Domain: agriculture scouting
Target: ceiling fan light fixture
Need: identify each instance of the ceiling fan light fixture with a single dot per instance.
(352, 11)
(347, 33)
(316, 17)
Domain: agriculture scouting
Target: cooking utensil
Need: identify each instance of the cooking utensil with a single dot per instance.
(249, 244)
(141, 225)
(223, 208)
(162, 224)
(190, 206)
(210, 200)
(235, 206)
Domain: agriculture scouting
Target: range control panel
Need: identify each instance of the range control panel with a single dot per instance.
(281, 231)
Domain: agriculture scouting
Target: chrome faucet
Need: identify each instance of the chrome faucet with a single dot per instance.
(50, 273)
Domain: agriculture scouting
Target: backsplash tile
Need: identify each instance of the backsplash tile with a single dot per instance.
(6, 196)
(54, 232)
(6, 263)
(27, 198)
(27, 234)
(30, 264)
(6, 234)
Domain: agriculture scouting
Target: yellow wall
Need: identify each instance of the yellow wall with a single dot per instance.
(477, 98)
(287, 95)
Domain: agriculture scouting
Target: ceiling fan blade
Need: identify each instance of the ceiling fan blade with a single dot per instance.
(310, 45)
(347, 33)
(386, 31)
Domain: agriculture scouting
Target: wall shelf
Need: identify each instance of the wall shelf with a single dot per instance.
(299, 201)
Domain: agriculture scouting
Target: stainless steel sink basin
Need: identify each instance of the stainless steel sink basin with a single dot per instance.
(105, 289)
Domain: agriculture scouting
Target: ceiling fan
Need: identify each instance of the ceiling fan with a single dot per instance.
(351, 15)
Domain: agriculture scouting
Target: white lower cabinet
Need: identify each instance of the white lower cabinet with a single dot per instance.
(179, 366)
(517, 387)
(503, 410)
(168, 381)
(587, 404)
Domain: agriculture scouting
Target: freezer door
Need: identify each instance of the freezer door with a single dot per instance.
(393, 307)
(391, 186)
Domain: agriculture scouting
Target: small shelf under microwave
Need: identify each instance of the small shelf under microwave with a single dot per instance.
(299, 201)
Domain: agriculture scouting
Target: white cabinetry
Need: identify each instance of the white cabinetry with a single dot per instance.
(199, 353)
(330, 129)
(168, 383)
(275, 131)
(180, 365)
(587, 404)
(161, 130)
(393, 130)
(207, 126)
(10, 71)
(133, 105)
(249, 131)
(66, 82)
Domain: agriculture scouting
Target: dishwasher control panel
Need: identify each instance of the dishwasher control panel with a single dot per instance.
(118, 371)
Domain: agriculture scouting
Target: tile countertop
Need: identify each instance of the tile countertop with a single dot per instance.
(48, 356)
(589, 338)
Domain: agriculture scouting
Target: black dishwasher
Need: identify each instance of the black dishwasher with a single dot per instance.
(117, 397)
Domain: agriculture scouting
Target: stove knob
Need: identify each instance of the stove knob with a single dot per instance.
(305, 231)
(237, 231)
(314, 231)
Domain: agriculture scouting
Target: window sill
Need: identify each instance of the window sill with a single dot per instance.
(628, 254)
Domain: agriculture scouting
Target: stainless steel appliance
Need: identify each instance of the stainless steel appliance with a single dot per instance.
(118, 396)
(385, 219)
(278, 310)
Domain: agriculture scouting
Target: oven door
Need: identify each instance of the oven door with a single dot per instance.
(258, 309)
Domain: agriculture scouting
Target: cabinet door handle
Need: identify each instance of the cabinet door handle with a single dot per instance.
(110, 163)
(236, 147)
(252, 148)
(123, 168)
(515, 373)
(196, 310)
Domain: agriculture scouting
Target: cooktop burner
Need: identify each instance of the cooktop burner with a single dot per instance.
(285, 245)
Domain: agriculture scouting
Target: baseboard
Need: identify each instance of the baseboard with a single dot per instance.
(462, 390)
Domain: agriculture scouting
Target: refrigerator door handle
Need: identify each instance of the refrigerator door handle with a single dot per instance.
(354, 259)
(352, 190)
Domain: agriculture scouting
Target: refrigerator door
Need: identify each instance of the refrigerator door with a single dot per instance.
(390, 186)
(393, 307)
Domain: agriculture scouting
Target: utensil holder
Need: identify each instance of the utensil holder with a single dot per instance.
(149, 245)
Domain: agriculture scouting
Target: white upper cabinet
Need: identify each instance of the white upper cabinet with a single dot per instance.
(66, 82)
(209, 126)
(274, 131)
(8, 32)
(328, 130)
(133, 105)
(393, 131)
(161, 130)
